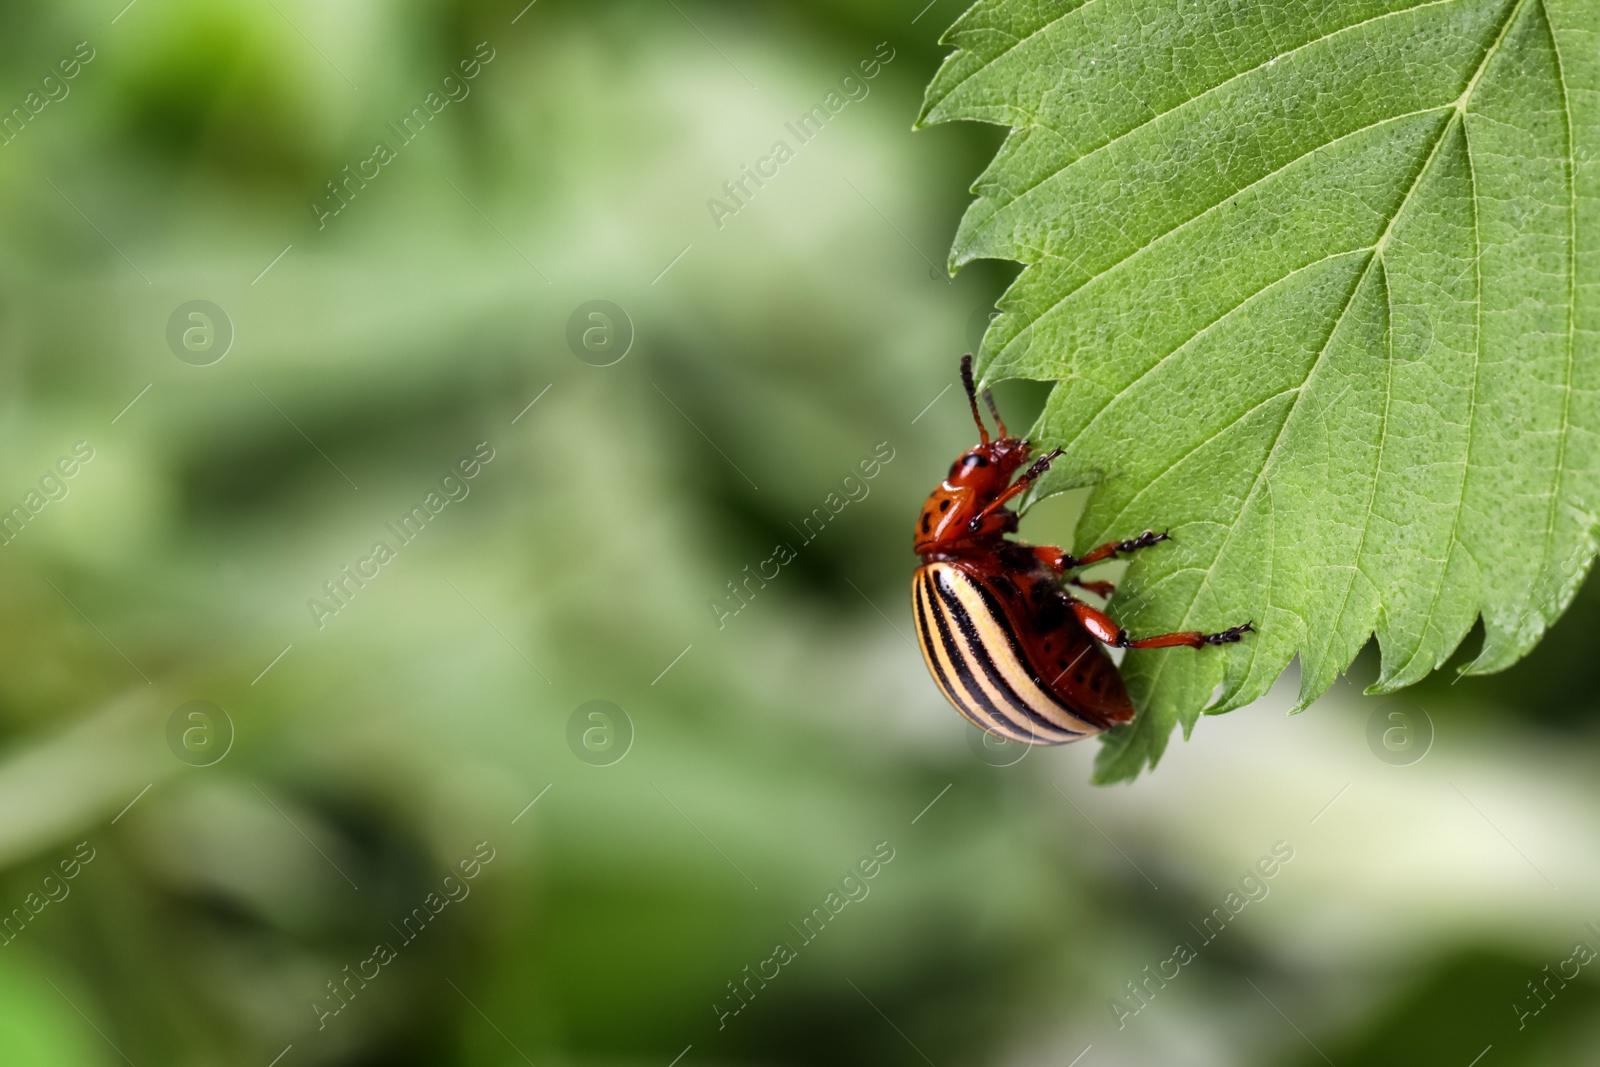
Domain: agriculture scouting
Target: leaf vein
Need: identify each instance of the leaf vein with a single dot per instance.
(1212, 207)
(1454, 542)
(1104, 145)
(1175, 464)
(1187, 341)
(1013, 46)
(1377, 255)
(1570, 166)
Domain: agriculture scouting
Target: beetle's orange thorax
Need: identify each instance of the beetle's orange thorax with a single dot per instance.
(976, 478)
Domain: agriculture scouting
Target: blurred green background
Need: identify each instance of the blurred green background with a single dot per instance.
(243, 861)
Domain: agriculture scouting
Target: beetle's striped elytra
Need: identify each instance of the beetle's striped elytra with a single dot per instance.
(977, 661)
(1007, 645)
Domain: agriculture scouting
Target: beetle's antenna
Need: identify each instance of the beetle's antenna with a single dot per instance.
(988, 398)
(972, 396)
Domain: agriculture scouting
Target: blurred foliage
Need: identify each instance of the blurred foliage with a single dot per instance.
(370, 756)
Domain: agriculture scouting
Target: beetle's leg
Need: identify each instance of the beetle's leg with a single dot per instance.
(1193, 638)
(1057, 561)
(1110, 549)
(1105, 628)
(1040, 465)
(1099, 589)
(1053, 558)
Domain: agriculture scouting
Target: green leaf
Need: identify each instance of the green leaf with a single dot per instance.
(1317, 284)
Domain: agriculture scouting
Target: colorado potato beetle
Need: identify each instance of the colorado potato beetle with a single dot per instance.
(1009, 647)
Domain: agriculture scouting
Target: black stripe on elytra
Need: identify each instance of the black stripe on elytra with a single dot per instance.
(920, 595)
(1004, 622)
(992, 605)
(968, 654)
(940, 611)
(1036, 726)
(1001, 620)
(932, 626)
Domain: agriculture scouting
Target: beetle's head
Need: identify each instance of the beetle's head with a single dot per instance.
(978, 475)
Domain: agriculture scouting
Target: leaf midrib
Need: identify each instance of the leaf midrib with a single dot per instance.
(1377, 253)
(1570, 163)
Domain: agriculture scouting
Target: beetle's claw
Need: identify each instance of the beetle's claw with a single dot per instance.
(1144, 540)
(1230, 635)
(1040, 465)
